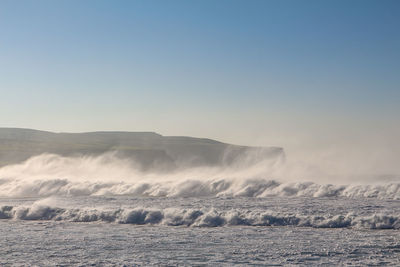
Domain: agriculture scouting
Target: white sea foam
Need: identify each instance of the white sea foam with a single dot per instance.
(199, 217)
(52, 175)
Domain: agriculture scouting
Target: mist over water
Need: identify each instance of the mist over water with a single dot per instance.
(221, 203)
(194, 186)
(316, 175)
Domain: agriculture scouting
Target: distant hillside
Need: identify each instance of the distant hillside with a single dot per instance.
(148, 149)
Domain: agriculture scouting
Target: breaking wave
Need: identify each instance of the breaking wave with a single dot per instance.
(194, 188)
(52, 175)
(199, 217)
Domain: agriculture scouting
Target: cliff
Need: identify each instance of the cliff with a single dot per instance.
(147, 149)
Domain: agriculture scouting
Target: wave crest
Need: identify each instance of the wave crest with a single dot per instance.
(199, 217)
(195, 188)
(50, 175)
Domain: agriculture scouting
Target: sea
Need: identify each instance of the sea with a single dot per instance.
(53, 217)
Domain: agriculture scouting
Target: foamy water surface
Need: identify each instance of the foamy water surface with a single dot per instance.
(68, 211)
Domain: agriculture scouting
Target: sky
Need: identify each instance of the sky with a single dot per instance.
(283, 73)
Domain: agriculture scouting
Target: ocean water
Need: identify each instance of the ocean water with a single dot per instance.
(124, 230)
(58, 212)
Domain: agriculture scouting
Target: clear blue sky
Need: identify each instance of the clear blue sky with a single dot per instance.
(251, 72)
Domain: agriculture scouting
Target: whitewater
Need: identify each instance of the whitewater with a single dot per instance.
(103, 210)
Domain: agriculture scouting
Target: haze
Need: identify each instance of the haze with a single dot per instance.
(320, 79)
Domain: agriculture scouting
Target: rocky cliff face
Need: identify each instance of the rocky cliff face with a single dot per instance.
(146, 149)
